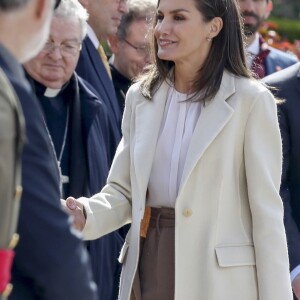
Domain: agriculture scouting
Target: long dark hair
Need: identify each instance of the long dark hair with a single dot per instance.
(226, 53)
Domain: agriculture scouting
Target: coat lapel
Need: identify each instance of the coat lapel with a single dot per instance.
(94, 56)
(99, 67)
(149, 114)
(214, 116)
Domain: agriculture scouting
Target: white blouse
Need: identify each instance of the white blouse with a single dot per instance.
(179, 121)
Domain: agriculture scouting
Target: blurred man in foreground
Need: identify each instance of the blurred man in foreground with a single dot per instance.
(48, 247)
(76, 119)
(22, 25)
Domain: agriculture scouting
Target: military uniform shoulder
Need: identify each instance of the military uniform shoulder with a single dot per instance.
(7, 91)
(12, 139)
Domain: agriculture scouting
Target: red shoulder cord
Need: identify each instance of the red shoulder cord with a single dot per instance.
(6, 259)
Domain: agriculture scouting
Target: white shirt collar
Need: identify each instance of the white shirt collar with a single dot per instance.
(252, 50)
(92, 35)
(51, 93)
(254, 46)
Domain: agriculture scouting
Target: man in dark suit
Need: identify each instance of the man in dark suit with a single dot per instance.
(90, 67)
(49, 248)
(287, 84)
(104, 19)
(263, 59)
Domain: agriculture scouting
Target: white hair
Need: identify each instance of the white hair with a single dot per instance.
(72, 9)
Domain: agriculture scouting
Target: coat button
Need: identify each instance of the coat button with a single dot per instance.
(187, 212)
(18, 192)
(13, 241)
(7, 291)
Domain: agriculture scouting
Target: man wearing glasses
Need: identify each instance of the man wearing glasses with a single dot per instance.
(130, 46)
(104, 19)
(48, 248)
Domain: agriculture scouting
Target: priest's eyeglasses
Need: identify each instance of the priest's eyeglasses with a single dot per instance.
(66, 49)
(142, 50)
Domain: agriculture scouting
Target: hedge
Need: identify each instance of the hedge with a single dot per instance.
(287, 28)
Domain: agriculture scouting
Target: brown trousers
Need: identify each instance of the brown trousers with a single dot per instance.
(155, 278)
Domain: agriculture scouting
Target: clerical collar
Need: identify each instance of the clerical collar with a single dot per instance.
(44, 91)
(51, 93)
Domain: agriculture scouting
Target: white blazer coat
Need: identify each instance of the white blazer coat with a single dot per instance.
(230, 241)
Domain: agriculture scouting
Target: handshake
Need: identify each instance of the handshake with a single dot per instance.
(75, 209)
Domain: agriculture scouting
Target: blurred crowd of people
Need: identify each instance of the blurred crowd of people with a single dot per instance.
(176, 126)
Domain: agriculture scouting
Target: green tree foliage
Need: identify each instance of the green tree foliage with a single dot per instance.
(287, 28)
(286, 9)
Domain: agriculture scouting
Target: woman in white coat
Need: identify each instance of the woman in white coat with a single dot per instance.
(201, 147)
